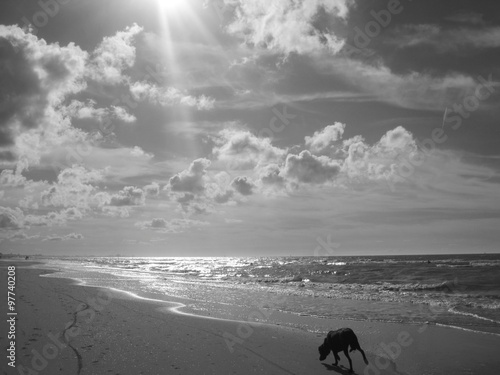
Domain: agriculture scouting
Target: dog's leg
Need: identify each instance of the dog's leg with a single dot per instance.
(337, 358)
(355, 346)
(358, 347)
(363, 354)
(346, 352)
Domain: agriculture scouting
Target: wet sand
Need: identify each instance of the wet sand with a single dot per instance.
(65, 328)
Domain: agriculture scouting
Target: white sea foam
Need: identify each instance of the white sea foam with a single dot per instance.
(404, 289)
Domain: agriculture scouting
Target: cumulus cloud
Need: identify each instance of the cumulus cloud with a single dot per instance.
(243, 150)
(114, 211)
(122, 114)
(10, 178)
(223, 197)
(197, 191)
(350, 161)
(323, 139)
(191, 180)
(308, 168)
(218, 188)
(270, 175)
(15, 218)
(139, 152)
(22, 236)
(152, 189)
(128, 196)
(168, 96)
(87, 110)
(71, 236)
(383, 160)
(243, 185)
(36, 77)
(74, 187)
(170, 226)
(53, 218)
(289, 26)
(39, 79)
(78, 174)
(11, 218)
(398, 138)
(113, 55)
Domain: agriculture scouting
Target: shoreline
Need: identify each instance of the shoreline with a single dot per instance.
(276, 349)
(269, 300)
(292, 320)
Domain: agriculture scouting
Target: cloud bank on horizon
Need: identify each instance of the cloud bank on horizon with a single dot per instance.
(232, 127)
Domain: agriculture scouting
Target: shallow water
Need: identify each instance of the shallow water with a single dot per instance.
(458, 290)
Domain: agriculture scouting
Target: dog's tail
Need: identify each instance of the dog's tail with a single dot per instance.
(355, 346)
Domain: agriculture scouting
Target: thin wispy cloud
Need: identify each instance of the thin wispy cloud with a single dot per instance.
(446, 40)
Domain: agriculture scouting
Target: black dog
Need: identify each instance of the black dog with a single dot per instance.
(340, 340)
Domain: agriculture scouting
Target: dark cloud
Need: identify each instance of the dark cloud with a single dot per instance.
(309, 168)
(243, 185)
(472, 18)
(224, 197)
(129, 196)
(186, 198)
(35, 77)
(270, 175)
(170, 226)
(191, 180)
(11, 218)
(71, 236)
(21, 95)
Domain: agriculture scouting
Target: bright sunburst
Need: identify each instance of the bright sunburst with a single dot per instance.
(173, 5)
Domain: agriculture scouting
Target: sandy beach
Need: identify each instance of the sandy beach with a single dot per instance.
(65, 328)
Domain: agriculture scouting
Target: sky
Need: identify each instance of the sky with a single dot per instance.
(249, 128)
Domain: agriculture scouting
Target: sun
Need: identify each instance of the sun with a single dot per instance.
(173, 5)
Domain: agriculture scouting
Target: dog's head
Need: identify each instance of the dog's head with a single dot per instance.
(324, 350)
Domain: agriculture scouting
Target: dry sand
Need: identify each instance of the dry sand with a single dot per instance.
(64, 328)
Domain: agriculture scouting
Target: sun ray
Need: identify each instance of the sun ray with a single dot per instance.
(172, 20)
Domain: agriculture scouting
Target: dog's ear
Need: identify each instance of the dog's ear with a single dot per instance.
(326, 341)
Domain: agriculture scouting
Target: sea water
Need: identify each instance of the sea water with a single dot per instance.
(461, 291)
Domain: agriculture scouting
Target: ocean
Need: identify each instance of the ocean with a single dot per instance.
(459, 291)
